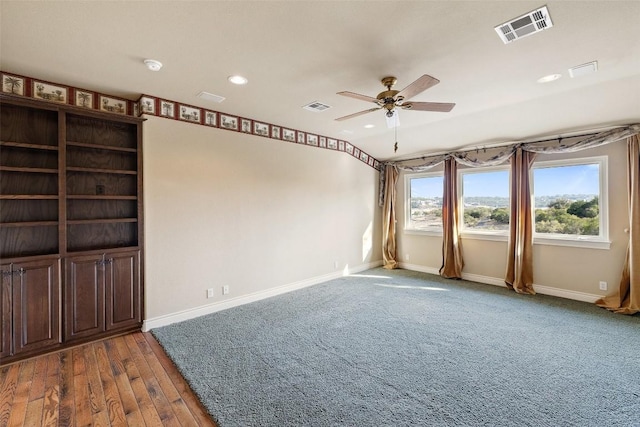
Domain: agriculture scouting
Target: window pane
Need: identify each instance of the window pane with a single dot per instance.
(567, 199)
(425, 203)
(486, 200)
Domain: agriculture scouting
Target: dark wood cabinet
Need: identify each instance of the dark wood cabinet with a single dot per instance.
(84, 297)
(6, 326)
(122, 290)
(70, 190)
(102, 293)
(31, 296)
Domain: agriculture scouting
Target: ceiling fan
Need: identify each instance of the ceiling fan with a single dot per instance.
(390, 99)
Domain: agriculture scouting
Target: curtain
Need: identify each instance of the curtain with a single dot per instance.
(389, 218)
(626, 300)
(519, 275)
(452, 262)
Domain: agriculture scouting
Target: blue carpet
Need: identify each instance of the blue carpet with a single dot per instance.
(400, 348)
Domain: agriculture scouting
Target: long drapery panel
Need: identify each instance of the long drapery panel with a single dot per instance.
(452, 262)
(389, 253)
(519, 275)
(626, 299)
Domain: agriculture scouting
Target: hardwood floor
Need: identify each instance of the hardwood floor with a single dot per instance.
(122, 381)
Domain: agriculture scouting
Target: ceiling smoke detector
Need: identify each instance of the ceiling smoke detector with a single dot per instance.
(525, 25)
(152, 64)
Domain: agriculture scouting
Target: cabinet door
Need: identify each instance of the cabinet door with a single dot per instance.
(122, 277)
(36, 305)
(84, 297)
(5, 311)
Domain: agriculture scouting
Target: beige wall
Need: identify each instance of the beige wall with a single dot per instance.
(569, 270)
(224, 208)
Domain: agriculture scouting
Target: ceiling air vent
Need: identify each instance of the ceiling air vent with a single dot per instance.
(211, 97)
(316, 106)
(525, 25)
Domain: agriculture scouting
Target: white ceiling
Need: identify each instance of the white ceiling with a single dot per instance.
(296, 52)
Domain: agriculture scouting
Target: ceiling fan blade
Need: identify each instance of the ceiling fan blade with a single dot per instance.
(443, 107)
(350, 116)
(358, 96)
(420, 85)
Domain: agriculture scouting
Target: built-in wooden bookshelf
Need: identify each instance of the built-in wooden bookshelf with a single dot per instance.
(70, 225)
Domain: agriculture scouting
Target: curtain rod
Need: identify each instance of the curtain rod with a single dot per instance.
(506, 144)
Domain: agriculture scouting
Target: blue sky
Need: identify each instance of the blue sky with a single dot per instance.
(578, 179)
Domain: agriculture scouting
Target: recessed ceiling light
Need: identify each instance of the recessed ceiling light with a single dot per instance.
(369, 126)
(152, 64)
(238, 80)
(549, 78)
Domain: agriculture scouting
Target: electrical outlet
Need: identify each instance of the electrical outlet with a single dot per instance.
(335, 264)
(225, 290)
(210, 293)
(406, 257)
(603, 285)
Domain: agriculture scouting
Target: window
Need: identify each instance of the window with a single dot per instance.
(424, 197)
(484, 200)
(570, 202)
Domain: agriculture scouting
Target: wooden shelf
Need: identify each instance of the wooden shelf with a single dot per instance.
(28, 145)
(108, 171)
(27, 170)
(100, 221)
(71, 195)
(28, 197)
(99, 197)
(101, 147)
(29, 224)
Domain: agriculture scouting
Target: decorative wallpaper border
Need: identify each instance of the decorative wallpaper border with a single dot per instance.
(45, 91)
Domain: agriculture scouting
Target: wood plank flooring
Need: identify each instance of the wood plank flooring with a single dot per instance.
(122, 381)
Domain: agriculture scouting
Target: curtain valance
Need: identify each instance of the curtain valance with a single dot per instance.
(484, 157)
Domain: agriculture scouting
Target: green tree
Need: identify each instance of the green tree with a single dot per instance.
(584, 209)
(500, 215)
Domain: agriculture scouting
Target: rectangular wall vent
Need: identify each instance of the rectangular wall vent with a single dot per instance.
(316, 106)
(584, 69)
(211, 97)
(525, 25)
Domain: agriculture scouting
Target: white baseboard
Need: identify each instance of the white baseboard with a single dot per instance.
(564, 293)
(541, 289)
(183, 315)
(420, 268)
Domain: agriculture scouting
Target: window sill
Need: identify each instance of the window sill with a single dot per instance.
(435, 233)
(496, 236)
(572, 242)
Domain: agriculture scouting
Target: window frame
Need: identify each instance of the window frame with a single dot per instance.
(497, 235)
(431, 231)
(594, 242)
